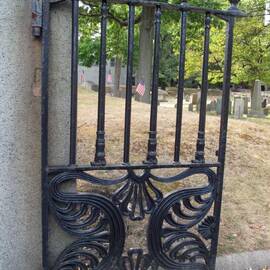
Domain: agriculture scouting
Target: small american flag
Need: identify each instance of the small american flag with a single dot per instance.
(140, 88)
(109, 78)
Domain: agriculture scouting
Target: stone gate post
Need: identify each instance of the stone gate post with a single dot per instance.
(20, 139)
(20, 207)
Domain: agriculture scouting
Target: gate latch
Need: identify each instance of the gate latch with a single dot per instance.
(36, 17)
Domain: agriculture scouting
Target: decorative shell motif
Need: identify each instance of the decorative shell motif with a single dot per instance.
(137, 197)
(207, 227)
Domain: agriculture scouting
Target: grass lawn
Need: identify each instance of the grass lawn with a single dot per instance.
(246, 208)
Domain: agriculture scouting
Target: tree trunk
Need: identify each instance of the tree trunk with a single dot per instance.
(146, 52)
(117, 76)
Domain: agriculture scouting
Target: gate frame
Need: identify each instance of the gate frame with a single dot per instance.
(198, 165)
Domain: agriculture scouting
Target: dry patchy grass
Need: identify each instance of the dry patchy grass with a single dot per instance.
(246, 207)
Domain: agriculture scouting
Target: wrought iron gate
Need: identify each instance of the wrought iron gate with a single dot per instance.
(181, 233)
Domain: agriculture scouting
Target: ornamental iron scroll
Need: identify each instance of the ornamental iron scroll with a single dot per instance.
(183, 226)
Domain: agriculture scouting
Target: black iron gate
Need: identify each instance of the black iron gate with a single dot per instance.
(182, 234)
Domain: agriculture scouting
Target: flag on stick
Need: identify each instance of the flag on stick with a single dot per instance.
(109, 78)
(140, 88)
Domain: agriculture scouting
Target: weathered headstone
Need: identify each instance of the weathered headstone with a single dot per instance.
(266, 110)
(190, 107)
(213, 105)
(162, 95)
(245, 99)
(256, 100)
(187, 98)
(172, 91)
(194, 99)
(238, 107)
(264, 103)
(218, 105)
(230, 106)
(198, 105)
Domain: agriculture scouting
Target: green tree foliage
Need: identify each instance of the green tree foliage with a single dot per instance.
(252, 44)
(251, 51)
(116, 32)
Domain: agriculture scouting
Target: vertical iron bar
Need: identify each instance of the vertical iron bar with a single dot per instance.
(199, 156)
(181, 79)
(74, 81)
(44, 130)
(223, 136)
(152, 141)
(129, 82)
(100, 141)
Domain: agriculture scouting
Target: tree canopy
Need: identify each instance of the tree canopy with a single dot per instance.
(251, 50)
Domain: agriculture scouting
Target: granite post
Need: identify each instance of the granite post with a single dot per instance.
(20, 147)
(59, 107)
(20, 188)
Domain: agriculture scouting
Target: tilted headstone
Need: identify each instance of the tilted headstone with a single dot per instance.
(256, 100)
(238, 107)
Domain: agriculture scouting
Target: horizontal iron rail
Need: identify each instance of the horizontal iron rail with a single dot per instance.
(126, 166)
(181, 7)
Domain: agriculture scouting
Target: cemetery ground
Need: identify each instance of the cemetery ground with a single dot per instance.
(246, 206)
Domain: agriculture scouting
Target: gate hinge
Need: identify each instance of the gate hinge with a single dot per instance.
(36, 18)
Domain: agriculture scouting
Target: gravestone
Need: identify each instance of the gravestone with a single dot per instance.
(266, 110)
(238, 107)
(194, 99)
(213, 105)
(162, 95)
(245, 99)
(198, 105)
(230, 106)
(190, 107)
(256, 100)
(234, 99)
(187, 98)
(218, 105)
(172, 91)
